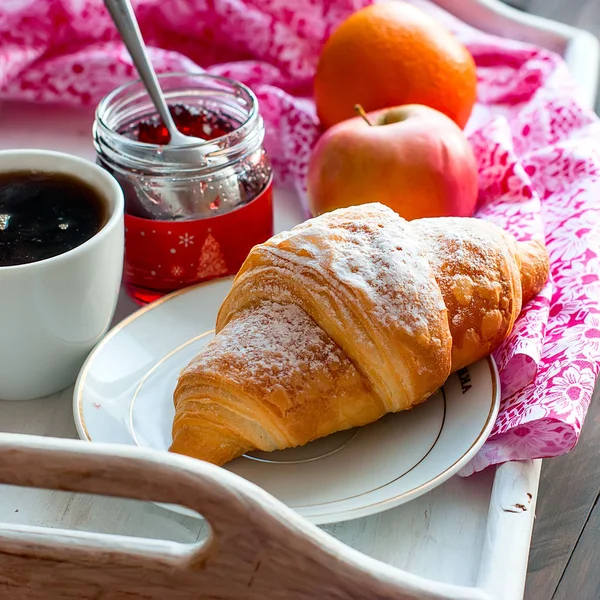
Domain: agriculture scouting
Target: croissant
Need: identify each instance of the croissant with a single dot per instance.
(347, 317)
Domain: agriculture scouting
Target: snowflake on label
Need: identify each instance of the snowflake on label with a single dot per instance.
(186, 239)
(176, 271)
(212, 262)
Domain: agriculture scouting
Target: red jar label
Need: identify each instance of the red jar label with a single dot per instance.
(168, 255)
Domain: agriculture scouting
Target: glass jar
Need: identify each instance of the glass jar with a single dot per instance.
(194, 212)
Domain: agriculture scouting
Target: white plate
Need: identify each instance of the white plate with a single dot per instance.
(124, 395)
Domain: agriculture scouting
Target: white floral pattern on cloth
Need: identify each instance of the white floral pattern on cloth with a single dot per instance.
(538, 152)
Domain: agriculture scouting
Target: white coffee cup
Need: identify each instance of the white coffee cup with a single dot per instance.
(54, 311)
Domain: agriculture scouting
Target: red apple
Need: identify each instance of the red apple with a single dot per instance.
(411, 158)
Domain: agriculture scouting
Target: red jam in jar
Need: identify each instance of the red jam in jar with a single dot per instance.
(192, 213)
(196, 122)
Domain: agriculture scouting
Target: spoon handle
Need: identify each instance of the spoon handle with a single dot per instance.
(123, 17)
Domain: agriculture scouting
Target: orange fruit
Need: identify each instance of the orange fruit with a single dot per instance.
(389, 54)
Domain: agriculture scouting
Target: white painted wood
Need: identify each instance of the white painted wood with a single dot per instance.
(257, 545)
(579, 48)
(459, 533)
(438, 536)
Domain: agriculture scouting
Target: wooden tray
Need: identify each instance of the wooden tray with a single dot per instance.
(470, 533)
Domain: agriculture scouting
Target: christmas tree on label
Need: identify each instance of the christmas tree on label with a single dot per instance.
(212, 262)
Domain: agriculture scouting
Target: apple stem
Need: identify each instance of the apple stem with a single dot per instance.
(361, 112)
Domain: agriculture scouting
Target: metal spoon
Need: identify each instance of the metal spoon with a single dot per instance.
(124, 18)
(198, 200)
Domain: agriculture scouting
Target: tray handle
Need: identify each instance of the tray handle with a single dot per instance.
(259, 548)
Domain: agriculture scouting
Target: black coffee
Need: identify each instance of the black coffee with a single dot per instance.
(45, 214)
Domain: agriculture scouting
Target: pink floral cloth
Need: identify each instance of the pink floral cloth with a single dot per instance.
(538, 153)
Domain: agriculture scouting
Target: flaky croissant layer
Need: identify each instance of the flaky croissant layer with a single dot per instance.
(349, 316)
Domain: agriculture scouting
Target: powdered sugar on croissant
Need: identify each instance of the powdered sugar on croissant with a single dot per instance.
(347, 317)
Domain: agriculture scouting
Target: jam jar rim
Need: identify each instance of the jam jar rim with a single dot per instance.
(252, 120)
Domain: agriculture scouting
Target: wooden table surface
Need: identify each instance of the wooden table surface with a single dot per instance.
(565, 549)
